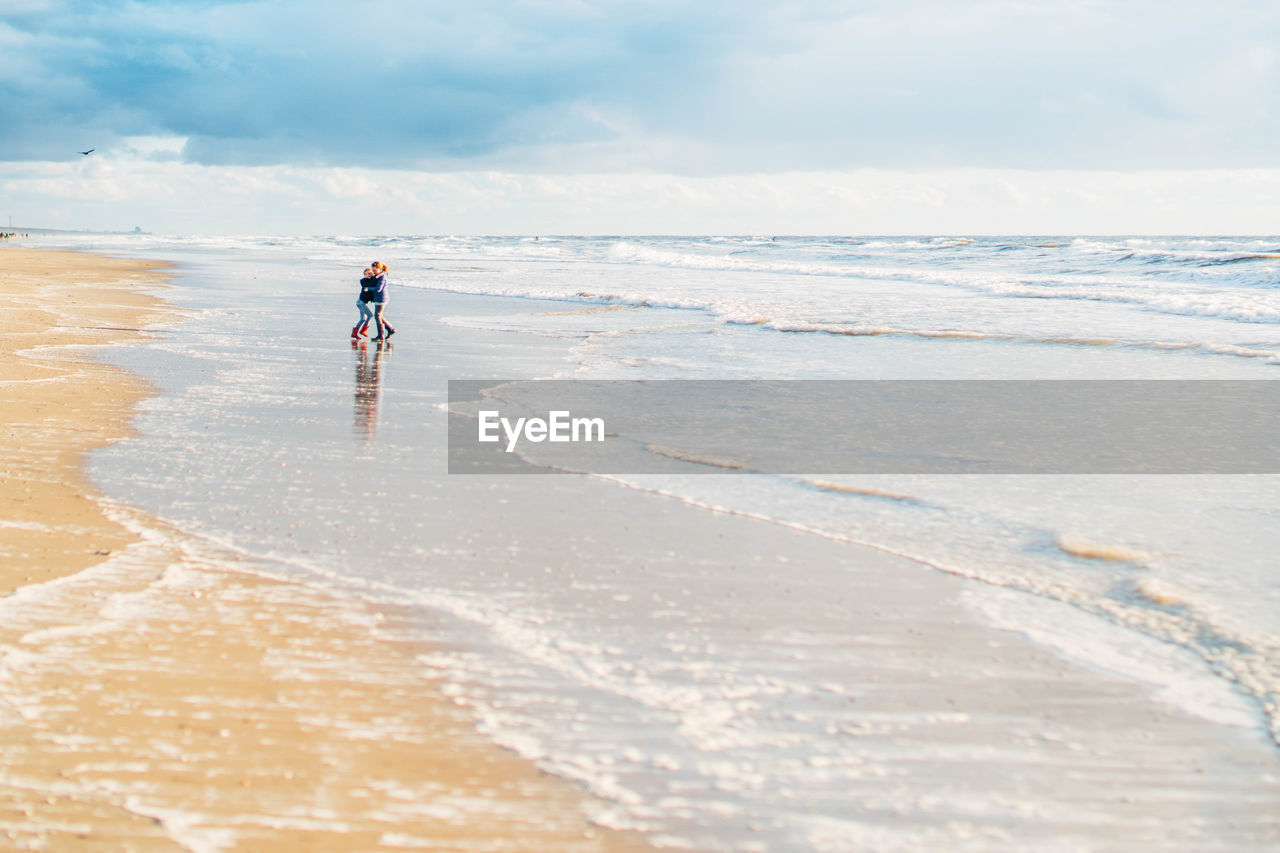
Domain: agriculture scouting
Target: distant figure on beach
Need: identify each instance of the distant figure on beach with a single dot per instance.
(373, 298)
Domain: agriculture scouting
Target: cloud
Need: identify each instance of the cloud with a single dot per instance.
(176, 198)
(565, 86)
(373, 83)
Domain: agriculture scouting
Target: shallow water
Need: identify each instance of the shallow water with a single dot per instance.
(726, 697)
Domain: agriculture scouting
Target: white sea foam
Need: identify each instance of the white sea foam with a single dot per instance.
(647, 686)
(1176, 675)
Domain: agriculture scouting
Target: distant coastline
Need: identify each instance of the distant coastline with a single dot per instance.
(15, 230)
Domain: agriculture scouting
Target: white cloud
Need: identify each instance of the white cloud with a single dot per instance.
(656, 85)
(585, 116)
(343, 184)
(180, 198)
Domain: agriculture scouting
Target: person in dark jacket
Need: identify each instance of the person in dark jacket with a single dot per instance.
(379, 301)
(369, 286)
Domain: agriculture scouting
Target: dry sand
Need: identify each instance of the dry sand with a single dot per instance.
(154, 698)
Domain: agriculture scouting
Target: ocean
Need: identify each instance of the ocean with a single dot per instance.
(735, 713)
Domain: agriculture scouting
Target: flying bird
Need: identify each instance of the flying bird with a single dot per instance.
(90, 151)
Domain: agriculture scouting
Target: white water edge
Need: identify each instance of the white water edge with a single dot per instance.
(774, 689)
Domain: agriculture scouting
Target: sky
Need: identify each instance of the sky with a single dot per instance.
(642, 116)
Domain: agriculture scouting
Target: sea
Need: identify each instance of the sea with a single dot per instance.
(274, 436)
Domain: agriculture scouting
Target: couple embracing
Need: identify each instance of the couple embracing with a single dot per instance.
(373, 297)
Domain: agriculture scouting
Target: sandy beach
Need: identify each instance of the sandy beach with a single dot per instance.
(152, 697)
(330, 642)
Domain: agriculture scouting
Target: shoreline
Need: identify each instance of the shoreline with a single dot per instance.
(719, 680)
(154, 697)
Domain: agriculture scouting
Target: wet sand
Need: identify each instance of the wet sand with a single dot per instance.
(152, 697)
(157, 697)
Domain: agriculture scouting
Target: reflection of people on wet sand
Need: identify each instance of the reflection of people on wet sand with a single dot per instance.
(368, 386)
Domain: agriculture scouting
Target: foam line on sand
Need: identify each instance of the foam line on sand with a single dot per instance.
(154, 696)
